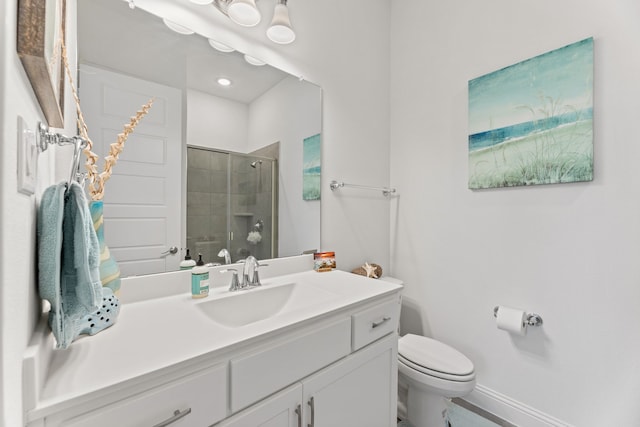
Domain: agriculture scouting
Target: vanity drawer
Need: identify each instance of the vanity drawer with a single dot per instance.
(201, 397)
(261, 373)
(374, 323)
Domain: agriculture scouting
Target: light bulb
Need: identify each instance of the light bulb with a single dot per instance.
(220, 46)
(254, 61)
(244, 12)
(280, 30)
(177, 27)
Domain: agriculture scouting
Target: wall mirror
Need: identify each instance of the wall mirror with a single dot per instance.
(239, 147)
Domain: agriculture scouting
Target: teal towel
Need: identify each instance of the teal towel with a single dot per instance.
(69, 259)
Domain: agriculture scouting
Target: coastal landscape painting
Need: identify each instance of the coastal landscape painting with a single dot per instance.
(532, 123)
(311, 168)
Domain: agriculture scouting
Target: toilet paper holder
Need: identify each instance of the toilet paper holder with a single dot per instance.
(531, 320)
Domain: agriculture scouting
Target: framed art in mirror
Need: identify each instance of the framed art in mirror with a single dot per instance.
(41, 28)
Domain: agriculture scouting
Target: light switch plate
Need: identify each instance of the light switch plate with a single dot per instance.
(27, 158)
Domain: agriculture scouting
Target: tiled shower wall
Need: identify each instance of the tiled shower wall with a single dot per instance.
(207, 203)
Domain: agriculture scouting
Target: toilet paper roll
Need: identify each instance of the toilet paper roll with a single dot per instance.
(511, 320)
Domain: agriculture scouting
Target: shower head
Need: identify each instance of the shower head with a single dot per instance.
(257, 162)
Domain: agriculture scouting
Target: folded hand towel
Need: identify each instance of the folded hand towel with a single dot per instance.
(69, 258)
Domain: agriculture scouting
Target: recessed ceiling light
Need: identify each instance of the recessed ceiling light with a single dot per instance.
(176, 27)
(201, 1)
(223, 81)
(220, 46)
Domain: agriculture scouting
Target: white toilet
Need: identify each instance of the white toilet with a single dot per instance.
(432, 371)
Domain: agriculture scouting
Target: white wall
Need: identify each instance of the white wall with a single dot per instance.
(19, 304)
(569, 252)
(215, 122)
(289, 113)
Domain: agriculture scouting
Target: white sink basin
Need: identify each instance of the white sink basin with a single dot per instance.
(239, 308)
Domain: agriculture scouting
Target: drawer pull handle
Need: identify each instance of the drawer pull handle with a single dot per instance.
(299, 413)
(176, 416)
(313, 416)
(376, 324)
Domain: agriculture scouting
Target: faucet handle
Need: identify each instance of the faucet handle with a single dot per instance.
(235, 283)
(256, 277)
(255, 281)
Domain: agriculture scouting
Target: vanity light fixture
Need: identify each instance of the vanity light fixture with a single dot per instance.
(246, 14)
(176, 27)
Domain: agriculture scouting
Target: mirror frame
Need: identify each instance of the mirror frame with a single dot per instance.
(32, 50)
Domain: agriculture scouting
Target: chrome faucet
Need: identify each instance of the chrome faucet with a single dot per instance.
(250, 272)
(250, 278)
(225, 253)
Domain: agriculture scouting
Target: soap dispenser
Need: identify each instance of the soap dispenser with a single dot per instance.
(199, 279)
(187, 263)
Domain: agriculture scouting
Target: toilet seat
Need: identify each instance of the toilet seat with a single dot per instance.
(434, 358)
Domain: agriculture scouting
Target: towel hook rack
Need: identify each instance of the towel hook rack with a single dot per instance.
(334, 185)
(45, 137)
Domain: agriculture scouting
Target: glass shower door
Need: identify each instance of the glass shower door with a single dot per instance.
(252, 206)
(230, 205)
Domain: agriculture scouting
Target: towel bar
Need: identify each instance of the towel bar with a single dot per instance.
(334, 185)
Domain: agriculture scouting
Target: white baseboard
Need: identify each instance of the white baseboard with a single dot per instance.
(511, 410)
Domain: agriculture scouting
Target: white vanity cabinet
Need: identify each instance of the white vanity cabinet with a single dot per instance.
(324, 365)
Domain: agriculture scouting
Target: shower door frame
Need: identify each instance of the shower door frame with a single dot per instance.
(230, 238)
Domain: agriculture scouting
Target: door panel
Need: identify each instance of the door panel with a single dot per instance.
(142, 199)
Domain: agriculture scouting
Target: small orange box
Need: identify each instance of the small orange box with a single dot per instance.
(324, 261)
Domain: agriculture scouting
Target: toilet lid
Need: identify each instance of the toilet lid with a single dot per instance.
(434, 357)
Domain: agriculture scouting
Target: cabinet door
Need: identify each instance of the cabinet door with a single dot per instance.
(281, 410)
(196, 400)
(360, 391)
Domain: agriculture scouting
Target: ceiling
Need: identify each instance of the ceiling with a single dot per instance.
(134, 42)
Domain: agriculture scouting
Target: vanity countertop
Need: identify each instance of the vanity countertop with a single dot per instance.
(155, 334)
